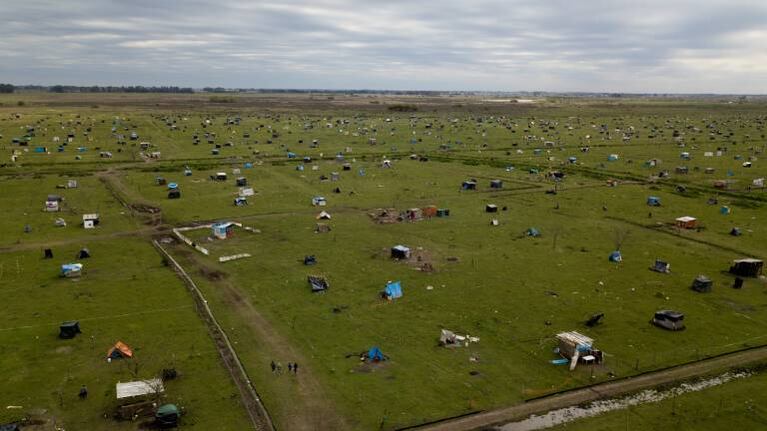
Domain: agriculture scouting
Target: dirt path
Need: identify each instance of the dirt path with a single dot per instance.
(485, 420)
(309, 408)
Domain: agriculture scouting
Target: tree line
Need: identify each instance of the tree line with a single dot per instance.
(7, 88)
(121, 89)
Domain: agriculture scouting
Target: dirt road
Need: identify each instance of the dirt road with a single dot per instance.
(485, 420)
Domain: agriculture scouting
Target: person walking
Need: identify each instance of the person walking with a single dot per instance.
(295, 368)
(274, 367)
(290, 367)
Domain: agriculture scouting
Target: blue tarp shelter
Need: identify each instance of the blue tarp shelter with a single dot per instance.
(291, 155)
(223, 230)
(375, 355)
(533, 232)
(653, 201)
(615, 256)
(172, 186)
(71, 269)
(393, 290)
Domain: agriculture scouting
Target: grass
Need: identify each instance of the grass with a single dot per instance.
(512, 291)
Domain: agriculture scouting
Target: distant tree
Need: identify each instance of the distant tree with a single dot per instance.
(7, 88)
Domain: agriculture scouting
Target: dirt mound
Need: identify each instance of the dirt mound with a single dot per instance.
(145, 208)
(213, 274)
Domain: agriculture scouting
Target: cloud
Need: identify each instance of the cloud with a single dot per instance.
(557, 45)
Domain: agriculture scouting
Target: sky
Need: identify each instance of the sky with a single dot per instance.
(652, 46)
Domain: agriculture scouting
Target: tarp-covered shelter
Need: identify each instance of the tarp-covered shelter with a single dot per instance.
(491, 208)
(702, 284)
(318, 284)
(174, 193)
(240, 201)
(69, 329)
(167, 416)
(747, 267)
(241, 182)
(653, 201)
(615, 256)
(310, 260)
(375, 355)
(90, 220)
(323, 216)
(687, 222)
(661, 266)
(47, 253)
(139, 389)
(400, 252)
(469, 185)
(443, 212)
(120, 350)
(393, 290)
(319, 201)
(223, 230)
(84, 253)
(496, 184)
(669, 319)
(532, 232)
(71, 270)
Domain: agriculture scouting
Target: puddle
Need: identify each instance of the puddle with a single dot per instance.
(569, 414)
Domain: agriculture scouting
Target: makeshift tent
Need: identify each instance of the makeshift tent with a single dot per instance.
(375, 355)
(120, 350)
(430, 211)
(310, 260)
(400, 252)
(319, 201)
(661, 266)
(48, 253)
(702, 284)
(60, 222)
(496, 184)
(90, 220)
(532, 232)
(318, 284)
(323, 216)
(240, 201)
(167, 416)
(469, 185)
(669, 319)
(443, 212)
(393, 290)
(160, 181)
(653, 201)
(615, 256)
(448, 339)
(84, 253)
(223, 230)
(241, 182)
(69, 329)
(687, 222)
(134, 391)
(71, 270)
(174, 193)
(491, 208)
(172, 186)
(735, 232)
(725, 210)
(747, 267)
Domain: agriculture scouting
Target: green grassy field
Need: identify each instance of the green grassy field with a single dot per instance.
(512, 291)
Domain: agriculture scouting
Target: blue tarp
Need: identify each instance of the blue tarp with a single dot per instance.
(533, 232)
(393, 289)
(40, 149)
(375, 354)
(172, 186)
(248, 165)
(653, 201)
(70, 268)
(615, 256)
(291, 155)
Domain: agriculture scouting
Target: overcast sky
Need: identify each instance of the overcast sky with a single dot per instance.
(508, 45)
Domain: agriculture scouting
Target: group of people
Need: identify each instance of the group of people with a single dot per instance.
(277, 367)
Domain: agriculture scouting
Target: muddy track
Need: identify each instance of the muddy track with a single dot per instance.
(251, 401)
(492, 418)
(309, 408)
